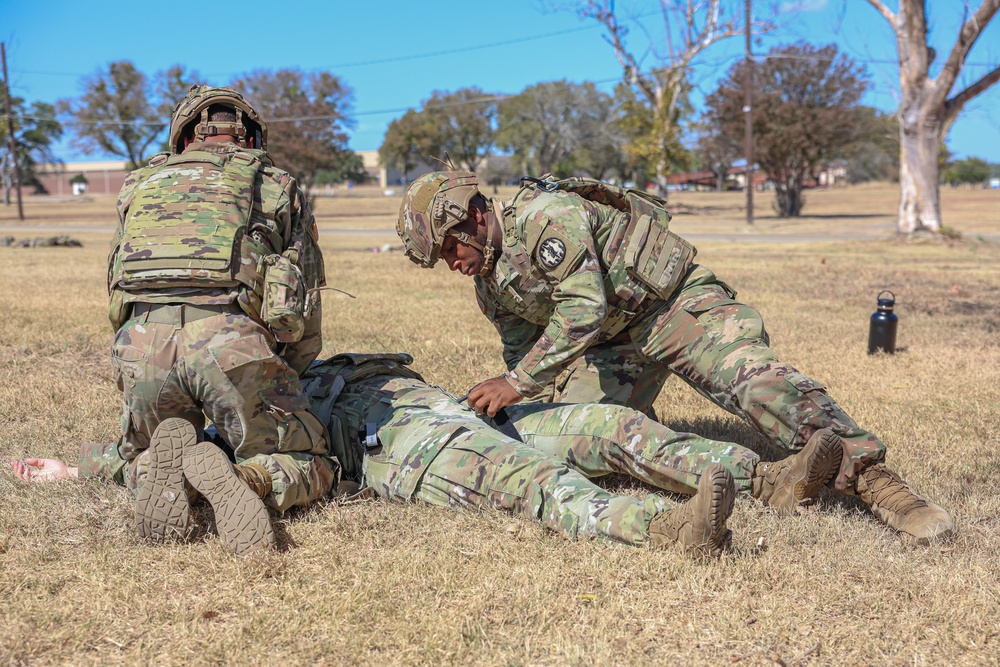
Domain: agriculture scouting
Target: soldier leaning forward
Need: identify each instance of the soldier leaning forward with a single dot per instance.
(592, 293)
(212, 277)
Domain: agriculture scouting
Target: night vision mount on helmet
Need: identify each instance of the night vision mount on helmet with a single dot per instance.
(194, 109)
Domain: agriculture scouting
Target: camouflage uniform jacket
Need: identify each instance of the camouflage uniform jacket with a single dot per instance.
(280, 220)
(551, 294)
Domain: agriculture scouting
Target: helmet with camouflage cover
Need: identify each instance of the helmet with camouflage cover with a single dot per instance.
(433, 205)
(194, 109)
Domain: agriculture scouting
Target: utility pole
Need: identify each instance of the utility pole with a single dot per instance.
(748, 115)
(10, 131)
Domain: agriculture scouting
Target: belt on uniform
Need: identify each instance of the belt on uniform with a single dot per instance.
(173, 313)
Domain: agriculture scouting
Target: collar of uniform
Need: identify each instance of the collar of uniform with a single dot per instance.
(211, 147)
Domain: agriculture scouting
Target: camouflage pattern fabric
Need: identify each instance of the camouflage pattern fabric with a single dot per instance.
(280, 221)
(200, 349)
(612, 372)
(223, 366)
(429, 447)
(437, 451)
(598, 440)
(100, 460)
(719, 347)
(556, 313)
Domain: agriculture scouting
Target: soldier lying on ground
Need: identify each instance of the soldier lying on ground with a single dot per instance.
(404, 439)
(593, 294)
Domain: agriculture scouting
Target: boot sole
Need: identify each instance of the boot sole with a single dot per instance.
(719, 490)
(161, 505)
(241, 518)
(815, 465)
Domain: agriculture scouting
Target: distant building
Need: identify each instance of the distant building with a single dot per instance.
(102, 177)
(388, 178)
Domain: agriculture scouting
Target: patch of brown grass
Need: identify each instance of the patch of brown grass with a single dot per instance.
(380, 583)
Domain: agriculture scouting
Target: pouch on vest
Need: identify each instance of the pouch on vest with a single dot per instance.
(653, 254)
(284, 300)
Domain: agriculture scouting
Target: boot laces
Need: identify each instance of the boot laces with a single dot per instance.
(890, 492)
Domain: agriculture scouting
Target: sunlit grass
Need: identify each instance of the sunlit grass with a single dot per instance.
(384, 584)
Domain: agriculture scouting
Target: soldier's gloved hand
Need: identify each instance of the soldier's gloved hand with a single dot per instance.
(42, 470)
(493, 394)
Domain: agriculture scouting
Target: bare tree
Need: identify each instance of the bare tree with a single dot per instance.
(690, 28)
(926, 111)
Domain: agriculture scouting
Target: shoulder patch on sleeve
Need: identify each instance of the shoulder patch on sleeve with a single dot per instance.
(558, 255)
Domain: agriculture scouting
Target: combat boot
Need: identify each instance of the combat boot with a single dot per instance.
(897, 505)
(236, 495)
(790, 482)
(699, 525)
(161, 506)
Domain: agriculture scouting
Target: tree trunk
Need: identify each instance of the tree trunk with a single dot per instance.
(919, 195)
(720, 180)
(661, 183)
(926, 111)
(6, 181)
(788, 192)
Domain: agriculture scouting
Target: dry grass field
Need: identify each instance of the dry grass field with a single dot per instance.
(374, 583)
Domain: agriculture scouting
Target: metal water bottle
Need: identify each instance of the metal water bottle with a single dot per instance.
(882, 331)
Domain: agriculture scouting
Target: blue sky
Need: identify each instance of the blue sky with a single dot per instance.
(395, 54)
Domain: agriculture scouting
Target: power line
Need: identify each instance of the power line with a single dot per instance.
(384, 61)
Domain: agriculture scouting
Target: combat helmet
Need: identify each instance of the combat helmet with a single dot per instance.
(432, 206)
(194, 109)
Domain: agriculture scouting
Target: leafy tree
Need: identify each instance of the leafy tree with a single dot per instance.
(35, 130)
(405, 143)
(874, 156)
(351, 169)
(559, 127)
(499, 170)
(307, 118)
(716, 151)
(460, 124)
(971, 170)
(805, 114)
(927, 107)
(122, 112)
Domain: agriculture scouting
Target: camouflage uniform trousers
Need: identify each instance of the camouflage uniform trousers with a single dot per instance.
(720, 347)
(223, 366)
(600, 439)
(437, 451)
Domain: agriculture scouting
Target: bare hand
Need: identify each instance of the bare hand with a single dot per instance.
(41, 470)
(492, 395)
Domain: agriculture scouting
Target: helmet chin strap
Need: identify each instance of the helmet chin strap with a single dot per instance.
(487, 250)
